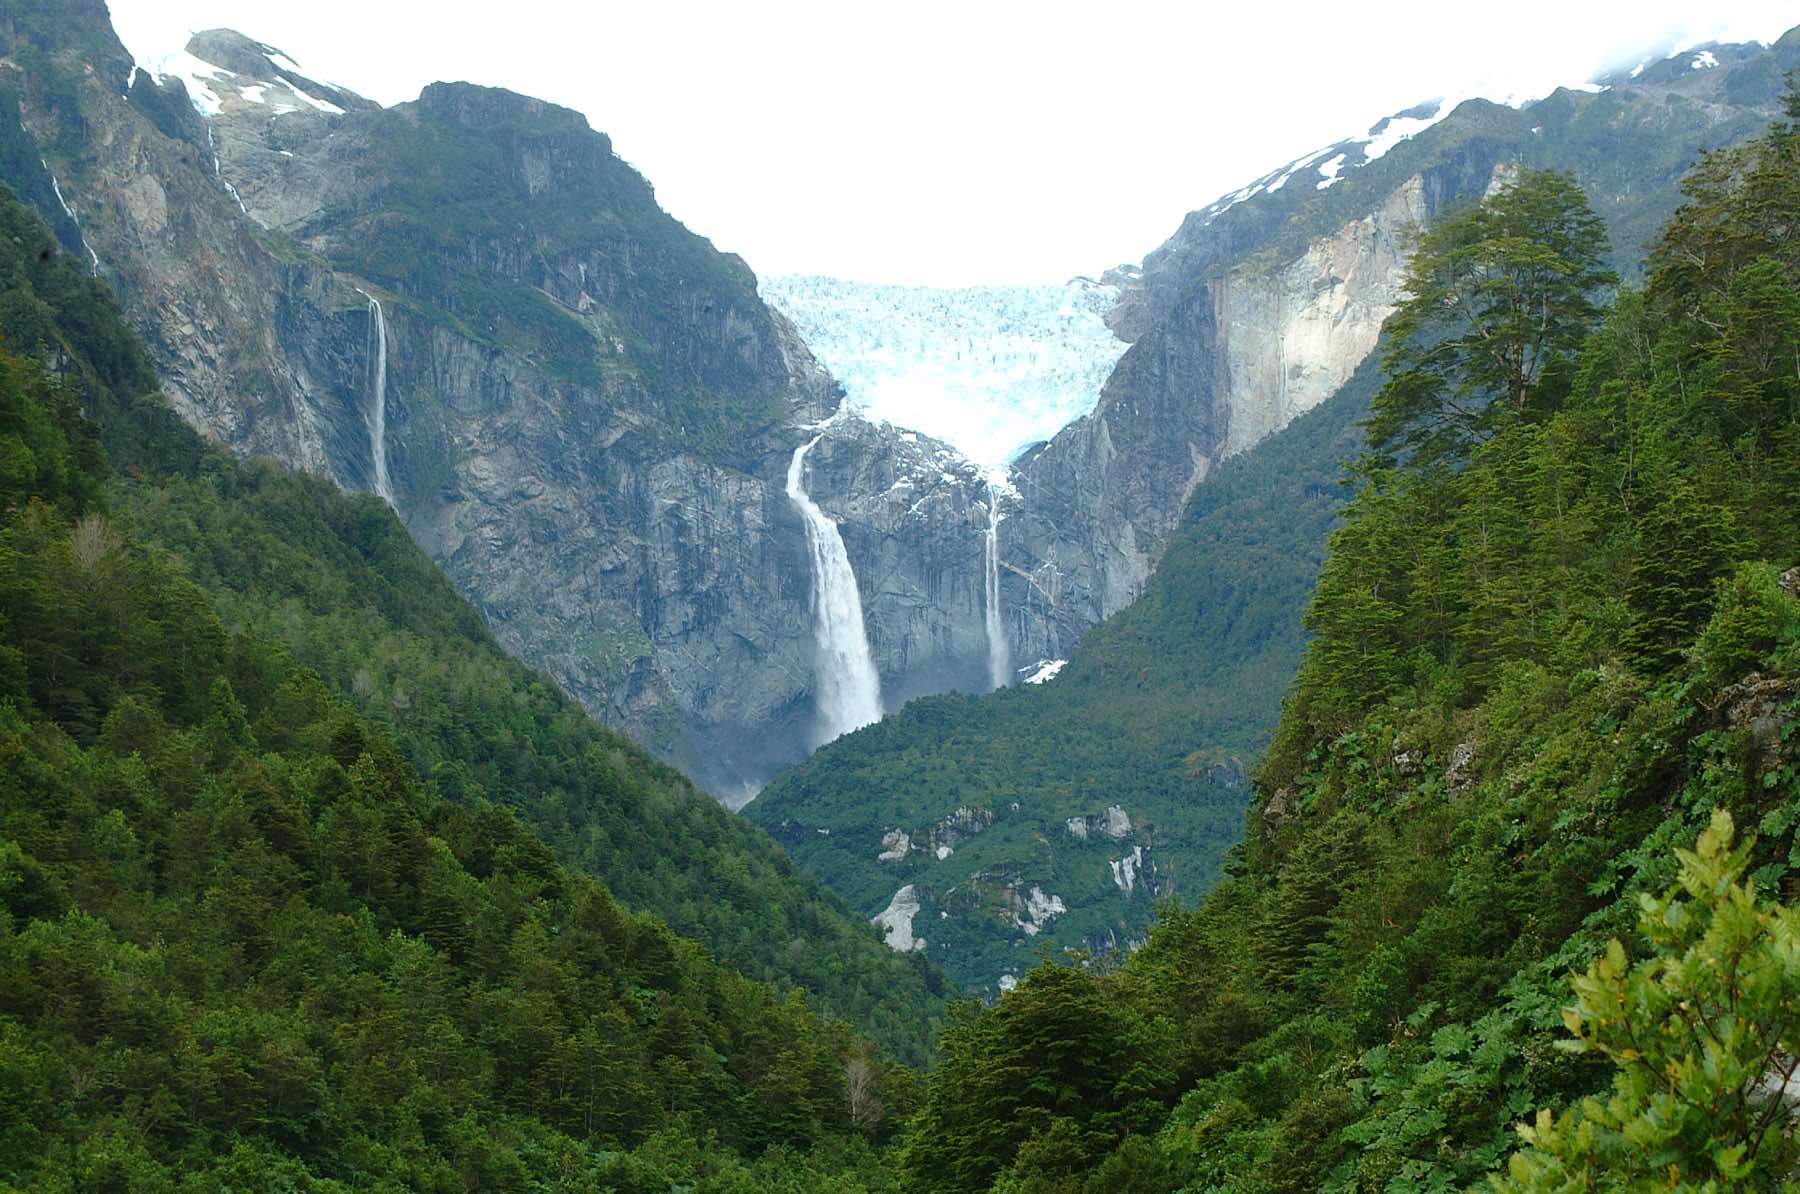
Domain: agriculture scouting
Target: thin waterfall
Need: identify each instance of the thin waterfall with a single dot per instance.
(999, 655)
(849, 690)
(69, 211)
(377, 415)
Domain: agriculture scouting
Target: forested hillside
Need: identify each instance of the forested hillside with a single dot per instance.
(252, 935)
(336, 582)
(1557, 644)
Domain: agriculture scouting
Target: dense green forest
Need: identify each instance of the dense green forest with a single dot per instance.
(1549, 705)
(335, 581)
(254, 936)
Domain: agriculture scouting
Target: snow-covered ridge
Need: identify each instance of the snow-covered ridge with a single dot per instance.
(988, 369)
(1352, 152)
(208, 83)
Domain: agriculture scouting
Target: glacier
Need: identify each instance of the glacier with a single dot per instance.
(988, 369)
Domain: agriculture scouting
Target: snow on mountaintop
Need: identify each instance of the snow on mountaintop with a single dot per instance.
(1391, 131)
(988, 369)
(195, 74)
(203, 79)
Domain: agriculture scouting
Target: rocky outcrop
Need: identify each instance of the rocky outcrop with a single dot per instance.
(896, 921)
(1264, 303)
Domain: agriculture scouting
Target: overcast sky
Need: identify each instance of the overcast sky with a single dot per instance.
(965, 142)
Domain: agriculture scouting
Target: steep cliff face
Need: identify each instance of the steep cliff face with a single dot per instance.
(578, 407)
(1264, 303)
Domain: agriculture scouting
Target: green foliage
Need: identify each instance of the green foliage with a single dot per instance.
(1163, 705)
(336, 581)
(243, 942)
(1704, 1037)
(1497, 296)
(1041, 1086)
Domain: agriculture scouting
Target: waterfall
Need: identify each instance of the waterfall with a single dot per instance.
(93, 257)
(999, 657)
(849, 691)
(377, 415)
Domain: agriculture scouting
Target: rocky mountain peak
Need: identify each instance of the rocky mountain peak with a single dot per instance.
(58, 25)
(256, 62)
(480, 108)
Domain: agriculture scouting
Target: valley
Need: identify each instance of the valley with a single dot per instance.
(496, 694)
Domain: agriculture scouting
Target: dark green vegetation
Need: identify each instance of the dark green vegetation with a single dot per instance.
(336, 582)
(1200, 657)
(340, 586)
(1542, 664)
(253, 934)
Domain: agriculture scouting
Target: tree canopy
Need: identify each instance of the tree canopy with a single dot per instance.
(1496, 295)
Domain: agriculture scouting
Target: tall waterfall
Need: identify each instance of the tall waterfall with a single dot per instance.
(377, 415)
(999, 656)
(849, 691)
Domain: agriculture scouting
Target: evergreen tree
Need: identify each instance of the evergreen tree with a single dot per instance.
(1494, 294)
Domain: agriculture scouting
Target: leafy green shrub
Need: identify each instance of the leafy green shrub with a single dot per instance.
(1752, 617)
(1705, 1039)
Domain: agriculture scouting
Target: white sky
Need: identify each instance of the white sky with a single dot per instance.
(961, 142)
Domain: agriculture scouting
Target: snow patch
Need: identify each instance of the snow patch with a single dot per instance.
(325, 106)
(1046, 670)
(1330, 171)
(1401, 128)
(196, 74)
(1704, 60)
